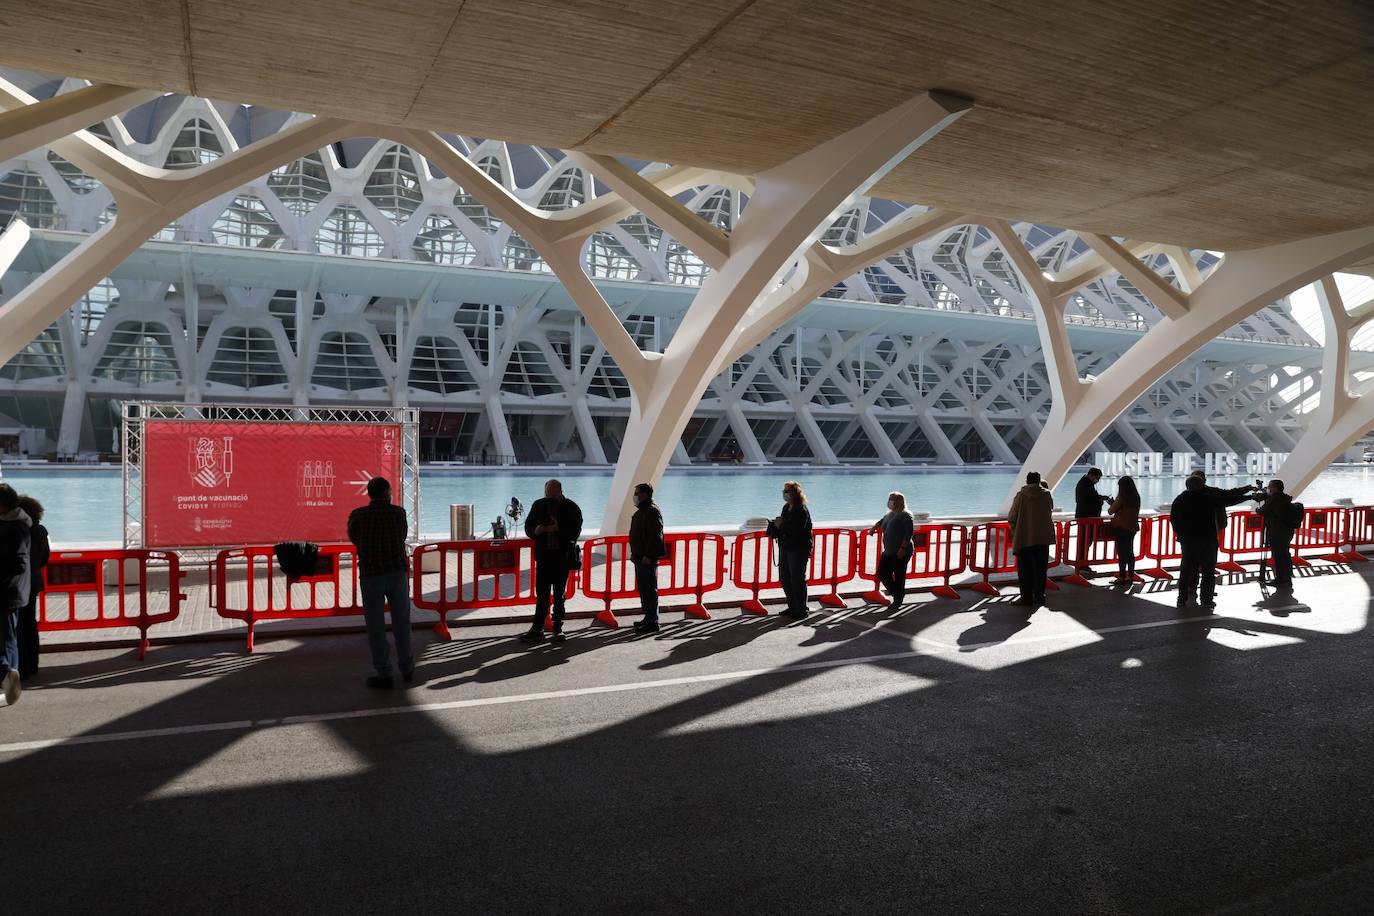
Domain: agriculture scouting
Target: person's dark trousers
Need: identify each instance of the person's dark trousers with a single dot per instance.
(9, 640)
(550, 581)
(28, 638)
(892, 574)
(1199, 566)
(1283, 565)
(1032, 565)
(378, 592)
(646, 580)
(1125, 551)
(792, 572)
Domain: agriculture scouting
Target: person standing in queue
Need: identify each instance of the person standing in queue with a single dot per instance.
(1194, 515)
(1087, 503)
(14, 588)
(792, 530)
(646, 549)
(1281, 521)
(1031, 520)
(1125, 512)
(39, 550)
(378, 532)
(554, 523)
(897, 527)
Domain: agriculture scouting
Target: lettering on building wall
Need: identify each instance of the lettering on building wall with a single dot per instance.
(1179, 464)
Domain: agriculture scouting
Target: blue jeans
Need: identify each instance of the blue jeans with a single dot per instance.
(9, 639)
(392, 589)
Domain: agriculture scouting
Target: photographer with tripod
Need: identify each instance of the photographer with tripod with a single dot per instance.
(1282, 518)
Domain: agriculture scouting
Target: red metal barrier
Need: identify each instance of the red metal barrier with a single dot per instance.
(1085, 542)
(1359, 529)
(937, 553)
(267, 595)
(476, 574)
(115, 596)
(989, 553)
(753, 566)
(1323, 530)
(1158, 542)
(1244, 534)
(695, 564)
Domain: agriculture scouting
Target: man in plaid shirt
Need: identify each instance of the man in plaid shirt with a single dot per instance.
(378, 532)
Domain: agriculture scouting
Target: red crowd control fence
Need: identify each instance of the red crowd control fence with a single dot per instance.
(1243, 538)
(476, 574)
(1323, 532)
(695, 564)
(989, 553)
(97, 589)
(1359, 530)
(267, 594)
(753, 565)
(1085, 542)
(937, 553)
(1158, 542)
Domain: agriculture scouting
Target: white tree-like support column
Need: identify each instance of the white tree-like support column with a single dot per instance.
(1343, 415)
(741, 302)
(1245, 282)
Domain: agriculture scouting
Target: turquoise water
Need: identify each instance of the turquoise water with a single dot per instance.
(85, 505)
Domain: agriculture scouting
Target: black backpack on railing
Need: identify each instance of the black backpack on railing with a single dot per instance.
(1293, 515)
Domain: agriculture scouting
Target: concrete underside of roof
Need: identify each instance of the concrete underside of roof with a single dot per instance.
(1224, 126)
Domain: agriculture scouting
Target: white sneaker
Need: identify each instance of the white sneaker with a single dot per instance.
(12, 687)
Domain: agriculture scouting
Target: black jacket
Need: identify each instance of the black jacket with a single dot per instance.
(646, 533)
(1274, 508)
(39, 551)
(1087, 502)
(795, 534)
(558, 544)
(1194, 512)
(14, 558)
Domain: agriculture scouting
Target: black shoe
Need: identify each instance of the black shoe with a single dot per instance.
(646, 626)
(532, 635)
(795, 615)
(1209, 605)
(559, 637)
(894, 604)
(408, 676)
(1020, 599)
(1181, 603)
(381, 682)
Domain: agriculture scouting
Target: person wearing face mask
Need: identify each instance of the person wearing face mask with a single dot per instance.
(897, 527)
(554, 523)
(646, 549)
(792, 530)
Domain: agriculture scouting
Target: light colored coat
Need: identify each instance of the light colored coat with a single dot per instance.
(1031, 517)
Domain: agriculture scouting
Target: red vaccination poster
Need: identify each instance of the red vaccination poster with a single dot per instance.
(215, 484)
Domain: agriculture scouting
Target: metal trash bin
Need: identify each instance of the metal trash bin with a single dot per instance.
(460, 521)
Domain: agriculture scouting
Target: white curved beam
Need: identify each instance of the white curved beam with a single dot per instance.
(27, 127)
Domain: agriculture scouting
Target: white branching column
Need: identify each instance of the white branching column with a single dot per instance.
(742, 301)
(147, 198)
(1343, 415)
(1245, 282)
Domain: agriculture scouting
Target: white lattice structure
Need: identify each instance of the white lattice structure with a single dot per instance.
(558, 306)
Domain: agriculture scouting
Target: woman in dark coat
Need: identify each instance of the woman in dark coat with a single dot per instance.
(792, 530)
(28, 614)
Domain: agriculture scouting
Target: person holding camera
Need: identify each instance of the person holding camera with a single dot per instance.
(1282, 518)
(554, 523)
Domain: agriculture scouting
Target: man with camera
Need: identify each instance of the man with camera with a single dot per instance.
(1282, 518)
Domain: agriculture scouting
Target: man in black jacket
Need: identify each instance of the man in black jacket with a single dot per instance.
(554, 523)
(646, 549)
(1275, 506)
(378, 532)
(1087, 502)
(14, 588)
(1194, 518)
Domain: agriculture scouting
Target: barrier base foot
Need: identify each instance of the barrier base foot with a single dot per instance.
(1299, 561)
(441, 630)
(754, 606)
(1356, 557)
(985, 588)
(946, 591)
(1230, 566)
(607, 618)
(250, 637)
(1052, 585)
(1078, 579)
(142, 648)
(1160, 573)
(831, 601)
(875, 597)
(698, 611)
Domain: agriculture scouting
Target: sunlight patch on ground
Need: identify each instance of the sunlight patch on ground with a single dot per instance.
(1249, 639)
(1000, 634)
(270, 756)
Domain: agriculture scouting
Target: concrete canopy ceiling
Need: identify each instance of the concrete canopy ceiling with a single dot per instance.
(1222, 125)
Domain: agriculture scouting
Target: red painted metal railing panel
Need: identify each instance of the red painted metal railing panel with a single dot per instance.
(753, 565)
(268, 595)
(938, 552)
(115, 588)
(989, 553)
(476, 574)
(695, 565)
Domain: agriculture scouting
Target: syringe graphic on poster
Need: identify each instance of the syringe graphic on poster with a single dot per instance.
(227, 459)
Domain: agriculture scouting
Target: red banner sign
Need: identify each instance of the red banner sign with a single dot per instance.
(221, 483)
